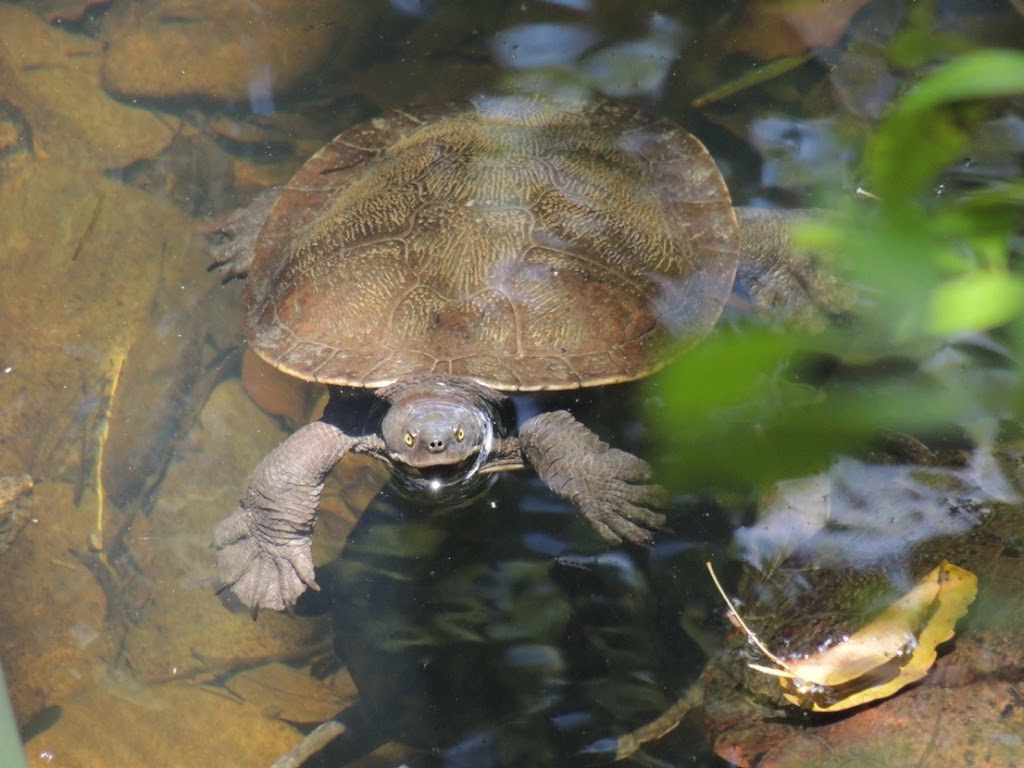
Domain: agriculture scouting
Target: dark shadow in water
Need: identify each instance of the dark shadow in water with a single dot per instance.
(41, 721)
(504, 632)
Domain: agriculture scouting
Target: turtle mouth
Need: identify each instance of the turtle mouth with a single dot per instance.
(449, 483)
(439, 462)
(446, 473)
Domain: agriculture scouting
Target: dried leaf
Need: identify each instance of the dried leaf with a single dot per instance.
(889, 636)
(772, 28)
(896, 648)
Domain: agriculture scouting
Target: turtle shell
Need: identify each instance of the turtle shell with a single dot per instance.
(525, 244)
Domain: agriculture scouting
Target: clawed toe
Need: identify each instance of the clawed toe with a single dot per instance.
(270, 582)
(627, 522)
(233, 529)
(260, 573)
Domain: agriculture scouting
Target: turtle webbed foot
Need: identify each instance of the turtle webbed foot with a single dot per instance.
(262, 573)
(613, 489)
(619, 498)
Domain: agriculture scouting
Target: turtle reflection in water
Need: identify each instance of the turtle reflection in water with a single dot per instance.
(444, 257)
(472, 645)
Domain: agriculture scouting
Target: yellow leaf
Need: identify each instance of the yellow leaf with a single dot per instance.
(891, 635)
(896, 648)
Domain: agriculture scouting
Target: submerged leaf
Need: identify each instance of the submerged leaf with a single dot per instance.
(772, 28)
(891, 635)
(939, 113)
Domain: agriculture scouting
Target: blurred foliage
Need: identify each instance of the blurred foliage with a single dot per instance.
(933, 268)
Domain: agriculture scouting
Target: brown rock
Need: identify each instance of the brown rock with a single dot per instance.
(235, 52)
(66, 10)
(115, 723)
(276, 392)
(291, 693)
(82, 260)
(50, 81)
(14, 491)
(52, 620)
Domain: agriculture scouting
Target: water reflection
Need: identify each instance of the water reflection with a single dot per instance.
(800, 153)
(859, 514)
(573, 60)
(470, 640)
(541, 45)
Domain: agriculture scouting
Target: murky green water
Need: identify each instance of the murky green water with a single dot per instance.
(501, 633)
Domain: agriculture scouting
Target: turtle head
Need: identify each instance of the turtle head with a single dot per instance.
(439, 432)
(427, 431)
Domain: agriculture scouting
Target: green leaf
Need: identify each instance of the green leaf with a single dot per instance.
(739, 367)
(977, 75)
(916, 47)
(1009, 194)
(909, 150)
(974, 302)
(919, 137)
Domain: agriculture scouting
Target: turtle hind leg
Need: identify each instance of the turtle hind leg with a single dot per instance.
(232, 242)
(779, 280)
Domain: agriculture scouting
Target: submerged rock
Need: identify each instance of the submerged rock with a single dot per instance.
(235, 52)
(14, 490)
(51, 102)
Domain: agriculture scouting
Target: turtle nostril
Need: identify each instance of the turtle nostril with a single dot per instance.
(436, 445)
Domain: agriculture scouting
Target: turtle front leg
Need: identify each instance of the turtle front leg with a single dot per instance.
(265, 554)
(613, 489)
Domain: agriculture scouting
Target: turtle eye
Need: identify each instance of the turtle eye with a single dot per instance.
(409, 439)
(460, 434)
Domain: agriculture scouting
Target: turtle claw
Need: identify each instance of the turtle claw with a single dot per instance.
(232, 242)
(621, 510)
(260, 572)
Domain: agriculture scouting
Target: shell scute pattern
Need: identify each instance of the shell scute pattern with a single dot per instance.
(526, 245)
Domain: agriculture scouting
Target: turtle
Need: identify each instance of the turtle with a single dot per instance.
(447, 256)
